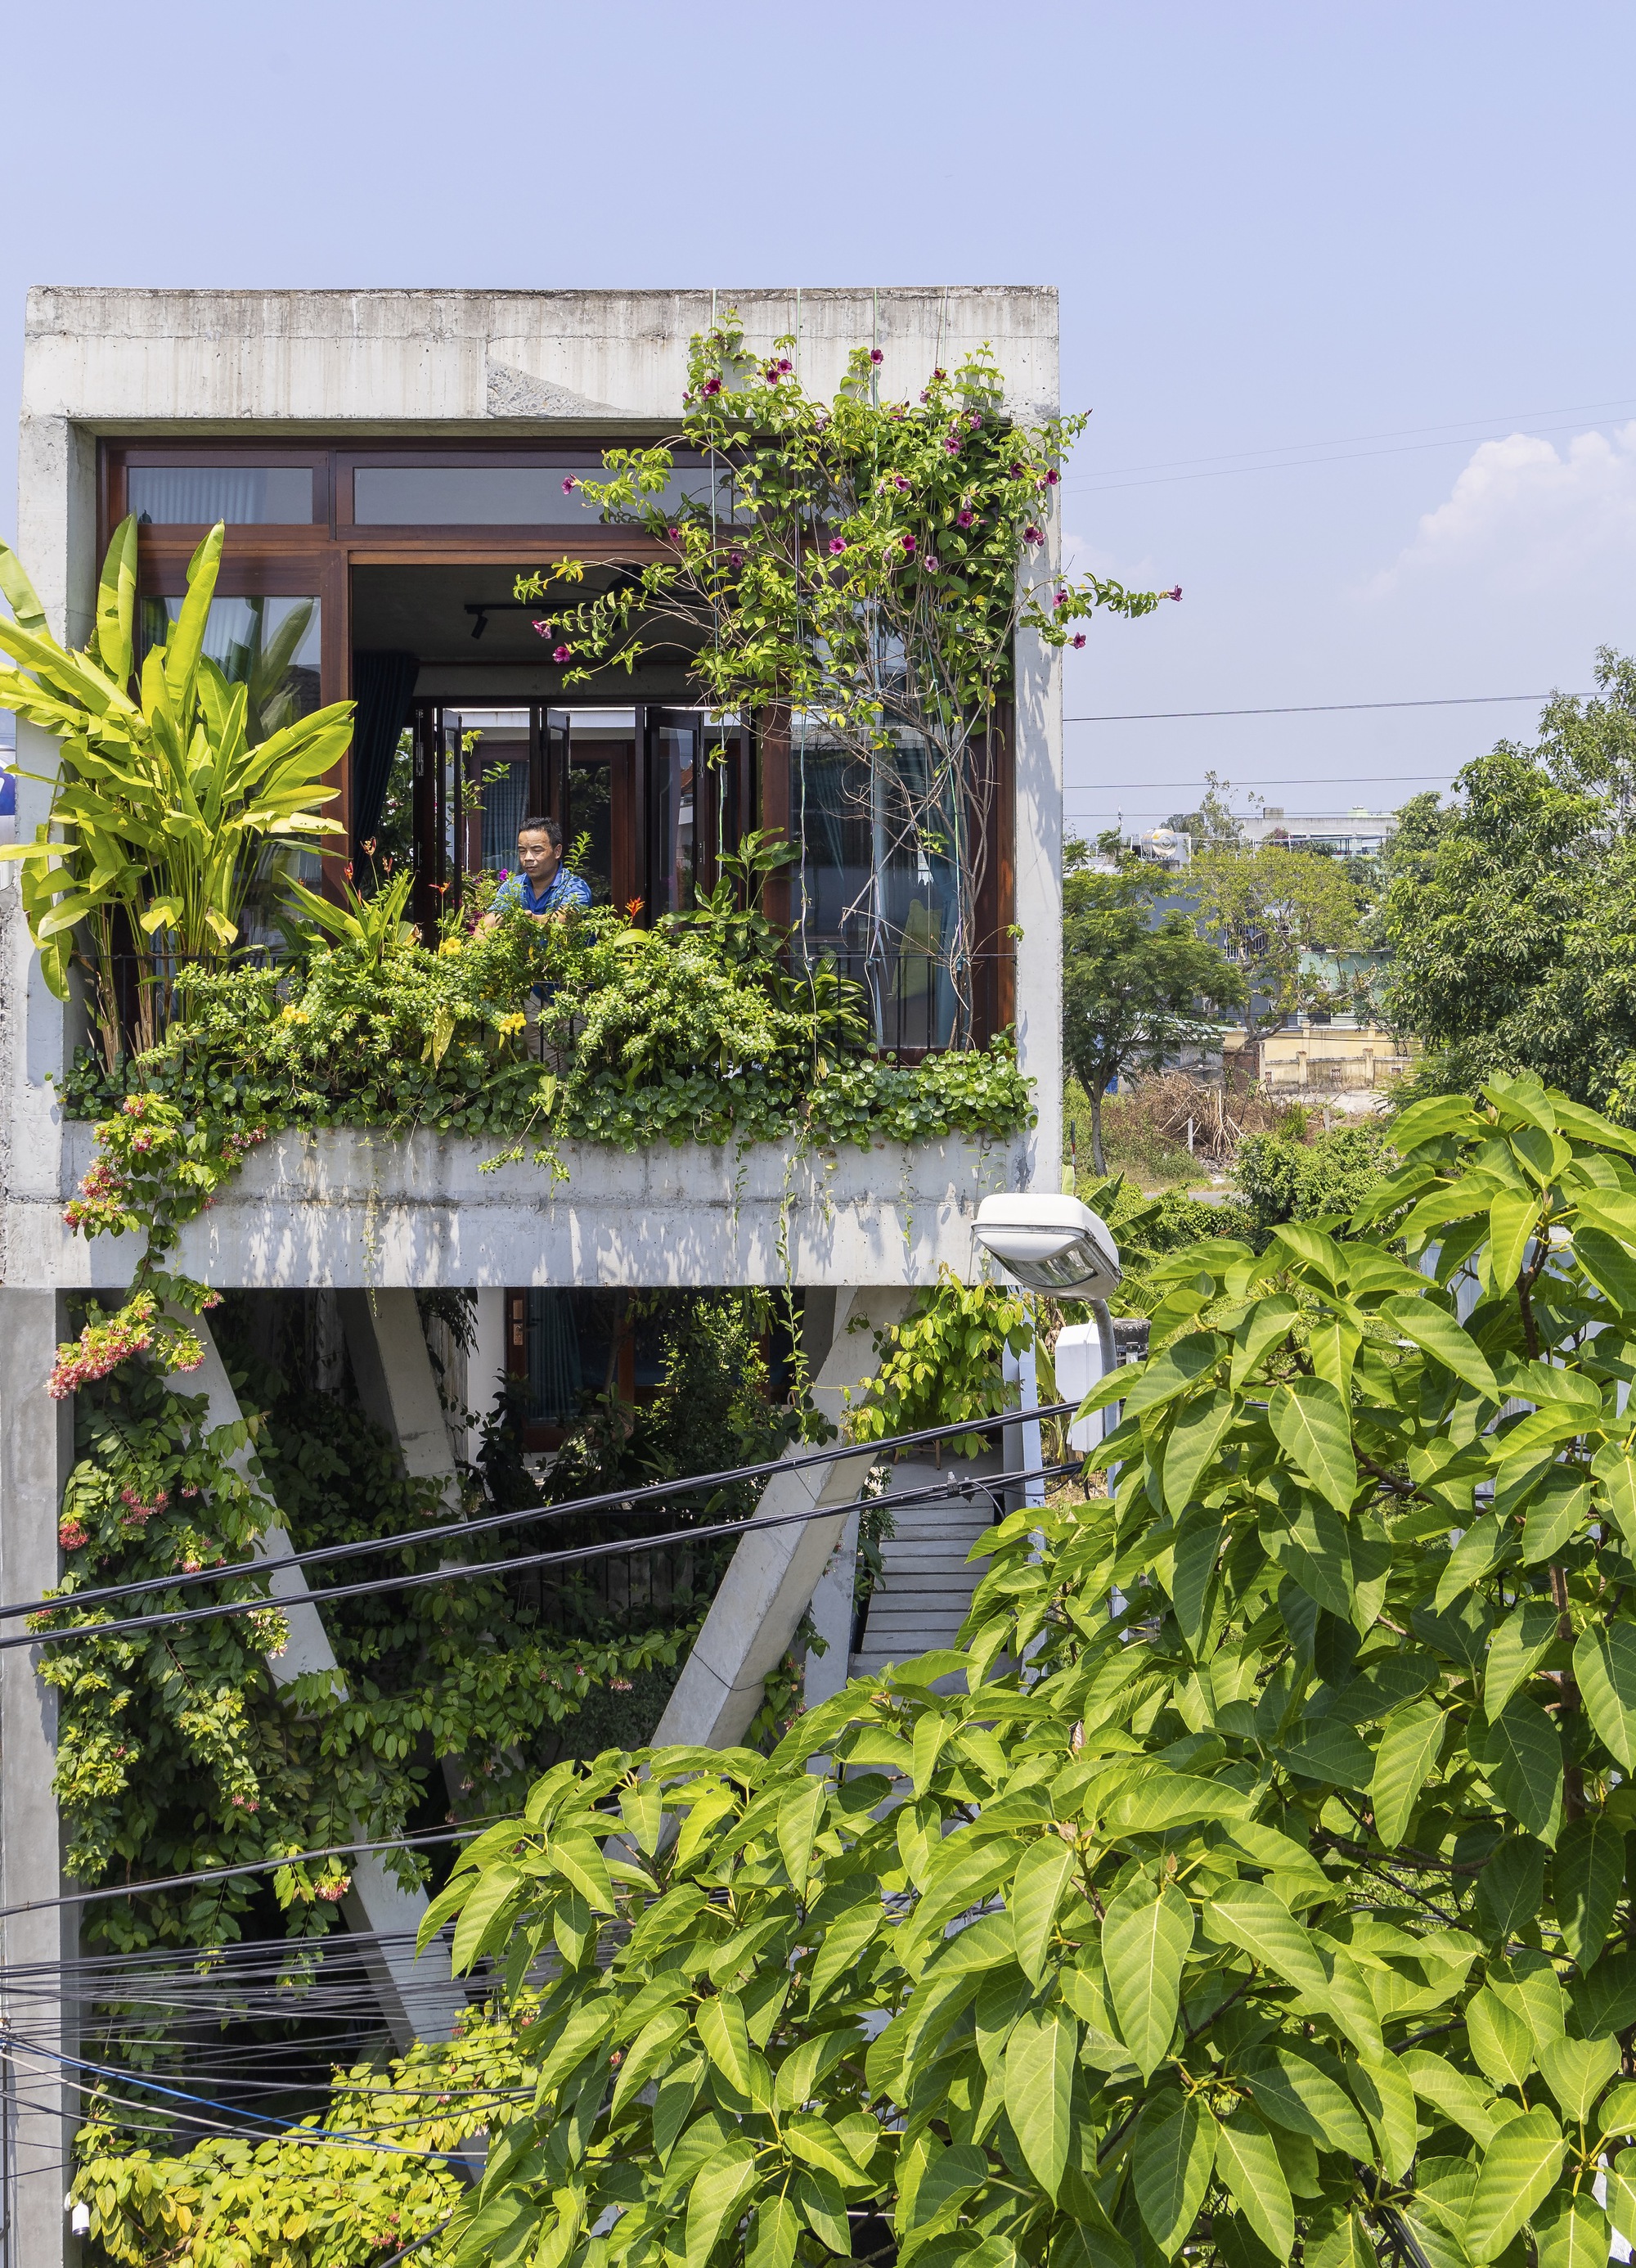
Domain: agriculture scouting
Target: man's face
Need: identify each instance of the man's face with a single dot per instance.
(538, 856)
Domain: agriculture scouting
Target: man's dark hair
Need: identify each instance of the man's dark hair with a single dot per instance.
(542, 826)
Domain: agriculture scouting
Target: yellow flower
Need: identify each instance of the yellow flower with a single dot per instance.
(450, 944)
(506, 1025)
(294, 1015)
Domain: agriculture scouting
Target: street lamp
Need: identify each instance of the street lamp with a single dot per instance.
(1054, 1244)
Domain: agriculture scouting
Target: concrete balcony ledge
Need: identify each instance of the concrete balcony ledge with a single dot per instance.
(349, 1208)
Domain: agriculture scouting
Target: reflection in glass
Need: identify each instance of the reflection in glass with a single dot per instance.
(674, 848)
(271, 645)
(197, 496)
(877, 890)
(503, 496)
(588, 829)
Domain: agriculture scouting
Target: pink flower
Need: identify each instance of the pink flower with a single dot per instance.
(1051, 478)
(734, 558)
(975, 419)
(771, 377)
(712, 385)
(908, 544)
(964, 518)
(951, 443)
(900, 485)
(1061, 600)
(569, 485)
(674, 533)
(785, 367)
(1079, 641)
(333, 1892)
(544, 627)
(1031, 535)
(619, 1685)
(72, 1536)
(875, 355)
(1175, 593)
(562, 652)
(837, 543)
(1016, 472)
(931, 563)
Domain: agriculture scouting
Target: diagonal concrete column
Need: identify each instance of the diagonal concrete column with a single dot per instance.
(417, 2000)
(774, 1573)
(397, 1384)
(40, 2108)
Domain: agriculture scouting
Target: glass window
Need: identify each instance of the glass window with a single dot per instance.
(494, 496)
(877, 888)
(197, 496)
(272, 645)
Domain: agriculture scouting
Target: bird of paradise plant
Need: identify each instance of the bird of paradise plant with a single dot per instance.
(161, 807)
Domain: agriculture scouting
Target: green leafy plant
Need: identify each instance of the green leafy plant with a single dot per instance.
(1281, 1178)
(865, 564)
(162, 805)
(943, 1362)
(1280, 916)
(1264, 1893)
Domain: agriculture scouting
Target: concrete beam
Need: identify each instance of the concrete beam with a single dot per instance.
(397, 1385)
(36, 1453)
(774, 1572)
(417, 2000)
(832, 1612)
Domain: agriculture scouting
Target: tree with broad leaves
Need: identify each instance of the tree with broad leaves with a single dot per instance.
(1278, 915)
(1255, 1884)
(1131, 985)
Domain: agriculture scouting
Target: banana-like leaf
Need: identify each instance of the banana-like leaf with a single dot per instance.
(185, 642)
(116, 602)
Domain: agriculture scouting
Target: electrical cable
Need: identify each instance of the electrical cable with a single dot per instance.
(620, 1499)
(575, 1555)
(993, 1484)
(1313, 708)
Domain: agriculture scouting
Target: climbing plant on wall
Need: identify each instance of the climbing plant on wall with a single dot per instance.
(864, 565)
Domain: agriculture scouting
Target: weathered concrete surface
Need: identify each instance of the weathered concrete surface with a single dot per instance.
(396, 1384)
(360, 1210)
(36, 1447)
(775, 1570)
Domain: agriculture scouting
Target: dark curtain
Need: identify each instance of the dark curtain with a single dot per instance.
(382, 686)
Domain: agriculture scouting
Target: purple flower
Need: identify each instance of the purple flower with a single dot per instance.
(908, 544)
(875, 355)
(1079, 640)
(1031, 535)
(1061, 600)
(837, 543)
(734, 558)
(771, 377)
(1016, 472)
(570, 485)
(931, 563)
(951, 442)
(925, 394)
(975, 419)
(674, 533)
(900, 485)
(505, 873)
(785, 367)
(560, 652)
(1053, 477)
(712, 385)
(545, 628)
(963, 517)
(1175, 593)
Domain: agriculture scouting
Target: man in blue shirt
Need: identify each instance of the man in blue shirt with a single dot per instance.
(544, 887)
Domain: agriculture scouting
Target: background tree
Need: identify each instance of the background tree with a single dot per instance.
(1130, 984)
(1274, 913)
(1511, 915)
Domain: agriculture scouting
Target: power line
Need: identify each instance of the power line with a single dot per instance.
(575, 1555)
(1307, 709)
(1452, 426)
(1279, 779)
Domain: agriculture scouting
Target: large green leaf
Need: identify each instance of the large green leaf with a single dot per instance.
(1524, 1754)
(1145, 1939)
(1614, 1465)
(1038, 2091)
(1519, 1645)
(1247, 2166)
(1577, 2071)
(1604, 1669)
(1513, 1217)
(1384, 2089)
(1403, 1762)
(725, 2036)
(1571, 2232)
(1171, 2159)
(1518, 2170)
(1195, 1436)
(1313, 1427)
(1198, 1540)
(774, 2233)
(1437, 1333)
(1035, 1893)
(116, 601)
(1251, 1917)
(1299, 2089)
(1501, 2043)
(1587, 1876)
(1316, 1549)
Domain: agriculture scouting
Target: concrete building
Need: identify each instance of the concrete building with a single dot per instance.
(385, 462)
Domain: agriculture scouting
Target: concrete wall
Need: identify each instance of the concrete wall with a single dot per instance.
(530, 365)
(362, 1210)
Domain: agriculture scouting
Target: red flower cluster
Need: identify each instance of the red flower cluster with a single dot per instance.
(136, 1510)
(72, 1535)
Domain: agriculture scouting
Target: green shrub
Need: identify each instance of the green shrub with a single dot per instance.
(1281, 1178)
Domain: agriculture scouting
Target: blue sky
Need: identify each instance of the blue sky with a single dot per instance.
(1347, 287)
